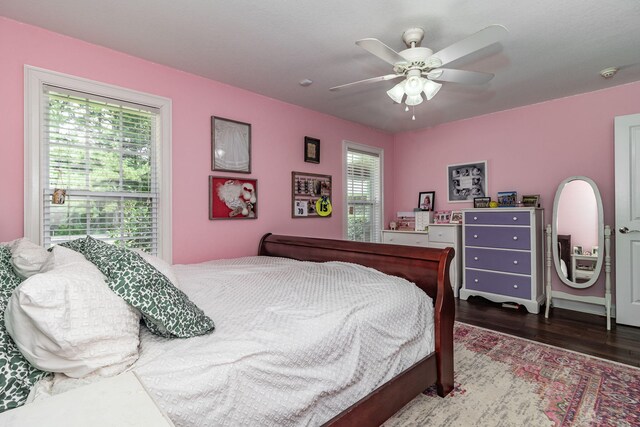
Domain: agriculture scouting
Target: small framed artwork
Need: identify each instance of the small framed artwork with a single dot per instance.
(230, 145)
(310, 195)
(531, 200)
(311, 150)
(481, 202)
(427, 200)
(595, 251)
(507, 199)
(442, 217)
(456, 217)
(577, 250)
(466, 181)
(233, 198)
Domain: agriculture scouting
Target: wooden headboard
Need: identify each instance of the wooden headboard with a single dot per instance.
(421, 266)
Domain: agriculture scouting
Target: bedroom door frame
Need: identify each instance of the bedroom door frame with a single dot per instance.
(627, 225)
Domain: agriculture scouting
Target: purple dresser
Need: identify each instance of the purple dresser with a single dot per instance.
(502, 255)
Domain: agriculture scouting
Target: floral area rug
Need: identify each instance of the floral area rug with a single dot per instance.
(502, 380)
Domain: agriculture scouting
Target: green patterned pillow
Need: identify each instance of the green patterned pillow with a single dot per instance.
(17, 376)
(166, 310)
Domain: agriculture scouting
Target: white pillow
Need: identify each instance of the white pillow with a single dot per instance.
(68, 320)
(161, 265)
(27, 257)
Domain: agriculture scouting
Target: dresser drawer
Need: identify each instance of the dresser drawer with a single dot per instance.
(497, 260)
(440, 234)
(497, 283)
(409, 239)
(497, 218)
(498, 237)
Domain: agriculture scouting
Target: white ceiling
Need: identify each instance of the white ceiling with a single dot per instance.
(555, 48)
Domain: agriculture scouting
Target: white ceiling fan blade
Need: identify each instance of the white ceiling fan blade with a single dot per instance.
(483, 38)
(459, 76)
(381, 50)
(371, 80)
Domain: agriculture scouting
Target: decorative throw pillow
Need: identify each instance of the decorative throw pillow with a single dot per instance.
(67, 320)
(161, 265)
(166, 310)
(17, 376)
(27, 257)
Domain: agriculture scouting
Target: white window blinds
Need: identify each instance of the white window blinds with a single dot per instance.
(364, 195)
(103, 153)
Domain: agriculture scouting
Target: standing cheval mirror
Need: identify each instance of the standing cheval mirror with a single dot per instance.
(578, 243)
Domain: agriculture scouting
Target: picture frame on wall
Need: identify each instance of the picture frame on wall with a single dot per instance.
(466, 181)
(230, 145)
(481, 202)
(311, 150)
(427, 200)
(233, 198)
(310, 195)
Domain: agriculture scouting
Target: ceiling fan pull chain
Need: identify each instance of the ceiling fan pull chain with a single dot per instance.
(413, 117)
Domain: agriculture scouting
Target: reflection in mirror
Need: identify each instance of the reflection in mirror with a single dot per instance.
(577, 229)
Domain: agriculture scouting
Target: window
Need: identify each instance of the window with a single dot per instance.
(363, 192)
(104, 147)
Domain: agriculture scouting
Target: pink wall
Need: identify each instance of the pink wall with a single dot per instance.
(529, 149)
(278, 130)
(578, 214)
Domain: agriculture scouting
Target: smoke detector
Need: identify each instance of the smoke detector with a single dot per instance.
(607, 73)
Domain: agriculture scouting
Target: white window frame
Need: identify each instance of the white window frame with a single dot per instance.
(34, 79)
(346, 145)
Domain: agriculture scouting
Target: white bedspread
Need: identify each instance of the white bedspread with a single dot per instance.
(295, 343)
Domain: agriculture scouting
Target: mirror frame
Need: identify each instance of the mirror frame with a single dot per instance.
(554, 234)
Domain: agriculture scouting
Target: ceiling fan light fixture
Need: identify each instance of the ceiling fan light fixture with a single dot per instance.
(413, 100)
(414, 85)
(397, 92)
(431, 89)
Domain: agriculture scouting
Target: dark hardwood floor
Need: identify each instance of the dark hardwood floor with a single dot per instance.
(581, 332)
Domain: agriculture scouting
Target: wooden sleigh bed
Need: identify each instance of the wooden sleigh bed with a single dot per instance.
(260, 303)
(426, 267)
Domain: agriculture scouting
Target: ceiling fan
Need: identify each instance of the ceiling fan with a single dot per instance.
(422, 68)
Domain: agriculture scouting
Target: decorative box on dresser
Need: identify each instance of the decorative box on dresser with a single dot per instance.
(439, 236)
(502, 255)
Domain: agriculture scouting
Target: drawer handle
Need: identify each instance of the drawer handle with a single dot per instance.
(515, 286)
(515, 262)
(515, 218)
(515, 237)
(475, 218)
(475, 236)
(475, 280)
(475, 258)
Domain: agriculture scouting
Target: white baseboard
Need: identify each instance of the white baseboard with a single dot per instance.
(583, 307)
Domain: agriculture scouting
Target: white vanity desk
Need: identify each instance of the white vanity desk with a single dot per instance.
(439, 236)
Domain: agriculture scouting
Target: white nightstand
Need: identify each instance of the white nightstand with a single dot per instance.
(439, 236)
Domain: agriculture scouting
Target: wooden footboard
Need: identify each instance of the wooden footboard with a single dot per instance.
(428, 268)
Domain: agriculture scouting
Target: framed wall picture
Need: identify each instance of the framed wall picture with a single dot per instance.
(233, 198)
(466, 181)
(481, 202)
(507, 199)
(310, 195)
(427, 200)
(531, 200)
(230, 145)
(311, 150)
